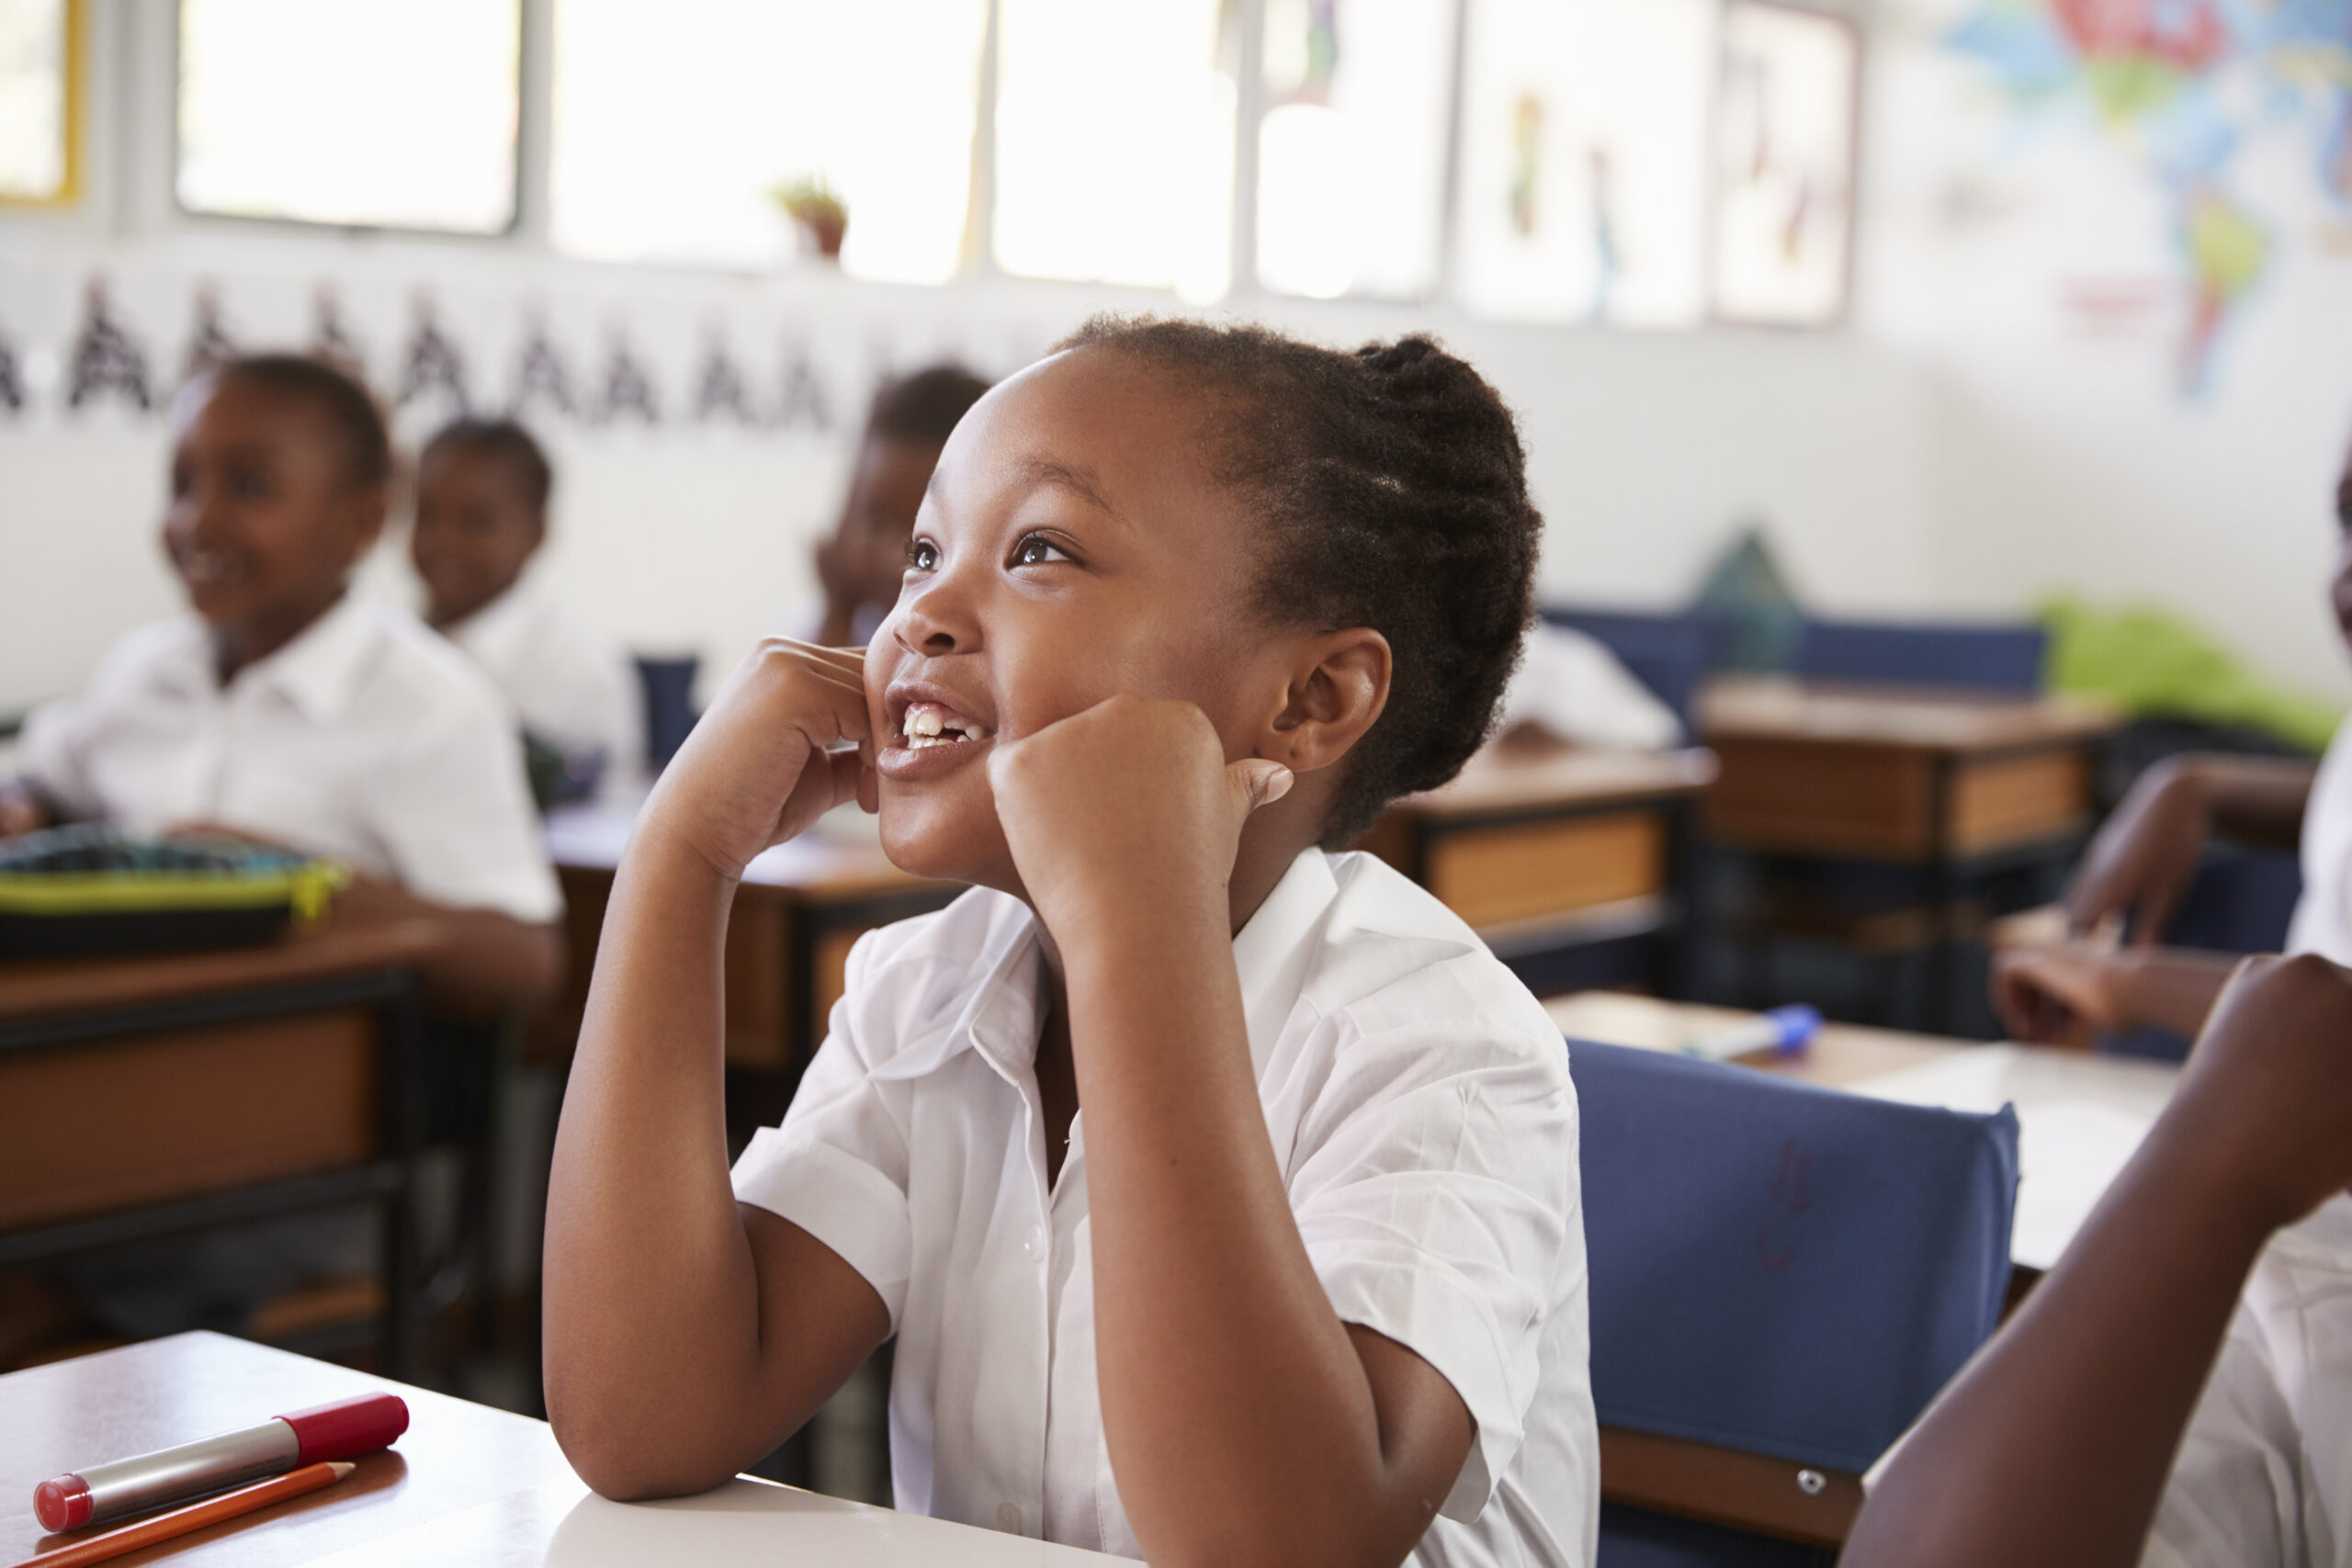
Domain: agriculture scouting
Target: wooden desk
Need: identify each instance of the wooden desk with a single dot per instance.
(143, 1095)
(801, 907)
(1917, 776)
(2080, 1116)
(465, 1487)
(1539, 846)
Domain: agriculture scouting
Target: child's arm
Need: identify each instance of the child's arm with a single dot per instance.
(2053, 1446)
(1246, 1423)
(486, 961)
(2067, 994)
(23, 808)
(686, 1336)
(2142, 861)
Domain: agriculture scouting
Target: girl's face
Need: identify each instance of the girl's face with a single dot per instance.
(263, 523)
(1072, 545)
(476, 529)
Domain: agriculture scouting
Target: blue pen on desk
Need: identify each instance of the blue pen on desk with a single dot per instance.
(1784, 1031)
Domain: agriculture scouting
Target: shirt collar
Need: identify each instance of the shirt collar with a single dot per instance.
(323, 664)
(494, 632)
(1001, 1016)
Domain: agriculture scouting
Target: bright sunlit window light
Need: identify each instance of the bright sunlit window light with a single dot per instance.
(1114, 143)
(385, 113)
(35, 165)
(674, 126)
(1784, 165)
(1351, 150)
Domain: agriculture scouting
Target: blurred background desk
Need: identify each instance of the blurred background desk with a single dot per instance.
(465, 1487)
(1572, 864)
(152, 1095)
(1890, 821)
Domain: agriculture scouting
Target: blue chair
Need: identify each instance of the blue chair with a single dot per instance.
(2004, 658)
(668, 704)
(1783, 1277)
(1669, 654)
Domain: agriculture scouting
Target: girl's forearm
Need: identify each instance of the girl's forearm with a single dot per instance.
(2053, 1446)
(651, 1304)
(1225, 1373)
(2170, 988)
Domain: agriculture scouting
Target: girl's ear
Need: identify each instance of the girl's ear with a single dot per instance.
(1338, 687)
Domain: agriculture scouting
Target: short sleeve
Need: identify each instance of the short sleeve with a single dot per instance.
(2234, 1497)
(837, 1168)
(1434, 1188)
(458, 825)
(49, 754)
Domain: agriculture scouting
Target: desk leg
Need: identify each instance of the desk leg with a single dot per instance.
(402, 1091)
(1672, 947)
(1943, 891)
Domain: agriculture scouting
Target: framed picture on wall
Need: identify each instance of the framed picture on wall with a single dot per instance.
(40, 101)
(1787, 100)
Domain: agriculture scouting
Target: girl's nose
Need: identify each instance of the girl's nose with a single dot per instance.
(934, 618)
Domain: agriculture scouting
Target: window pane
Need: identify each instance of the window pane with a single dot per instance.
(33, 162)
(1114, 142)
(1351, 151)
(1583, 159)
(398, 113)
(676, 125)
(1784, 163)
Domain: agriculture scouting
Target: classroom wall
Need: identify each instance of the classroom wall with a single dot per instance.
(2034, 256)
(693, 533)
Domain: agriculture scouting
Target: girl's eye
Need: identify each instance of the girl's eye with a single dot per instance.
(923, 554)
(249, 485)
(1035, 549)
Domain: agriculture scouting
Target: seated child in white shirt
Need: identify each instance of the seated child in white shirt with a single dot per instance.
(1185, 608)
(483, 488)
(860, 562)
(2064, 1444)
(286, 710)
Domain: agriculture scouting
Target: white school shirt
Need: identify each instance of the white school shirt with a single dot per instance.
(2323, 922)
(569, 683)
(2263, 1478)
(1571, 686)
(1420, 1107)
(366, 739)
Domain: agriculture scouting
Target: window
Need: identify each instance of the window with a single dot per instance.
(677, 126)
(39, 42)
(1784, 164)
(1352, 147)
(1114, 142)
(1584, 160)
(385, 113)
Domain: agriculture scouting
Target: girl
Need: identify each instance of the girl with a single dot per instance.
(282, 708)
(1186, 607)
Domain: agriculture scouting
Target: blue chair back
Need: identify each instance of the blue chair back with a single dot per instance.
(1669, 654)
(1778, 1268)
(1990, 658)
(668, 704)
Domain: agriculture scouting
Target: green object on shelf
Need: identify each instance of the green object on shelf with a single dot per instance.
(2153, 663)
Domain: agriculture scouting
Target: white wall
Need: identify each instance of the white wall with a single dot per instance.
(1643, 449)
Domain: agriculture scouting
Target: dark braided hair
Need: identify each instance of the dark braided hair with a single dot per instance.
(1392, 492)
(503, 441)
(349, 407)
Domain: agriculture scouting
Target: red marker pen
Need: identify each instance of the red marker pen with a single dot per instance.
(344, 1429)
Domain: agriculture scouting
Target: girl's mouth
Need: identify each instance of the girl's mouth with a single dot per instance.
(926, 725)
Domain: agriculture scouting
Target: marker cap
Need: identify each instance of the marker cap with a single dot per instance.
(349, 1427)
(63, 1503)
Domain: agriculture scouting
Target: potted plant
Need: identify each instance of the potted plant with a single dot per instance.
(818, 214)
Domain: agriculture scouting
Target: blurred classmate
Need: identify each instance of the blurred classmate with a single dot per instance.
(859, 565)
(2063, 1443)
(482, 515)
(285, 709)
(1571, 688)
(2140, 867)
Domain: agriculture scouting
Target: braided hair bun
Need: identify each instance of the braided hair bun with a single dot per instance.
(1392, 492)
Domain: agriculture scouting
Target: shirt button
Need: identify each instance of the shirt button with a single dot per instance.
(1030, 1246)
(1008, 1517)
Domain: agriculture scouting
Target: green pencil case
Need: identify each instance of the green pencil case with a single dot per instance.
(87, 889)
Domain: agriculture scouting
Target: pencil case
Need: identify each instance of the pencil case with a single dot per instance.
(88, 889)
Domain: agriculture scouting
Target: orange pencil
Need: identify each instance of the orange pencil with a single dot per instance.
(195, 1516)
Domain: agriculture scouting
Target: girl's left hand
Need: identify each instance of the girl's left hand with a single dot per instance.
(1129, 806)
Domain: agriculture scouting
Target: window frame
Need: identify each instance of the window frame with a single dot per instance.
(75, 109)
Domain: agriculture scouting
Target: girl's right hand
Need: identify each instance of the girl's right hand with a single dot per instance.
(758, 767)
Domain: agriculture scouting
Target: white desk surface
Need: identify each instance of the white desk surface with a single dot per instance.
(466, 1487)
(2080, 1116)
